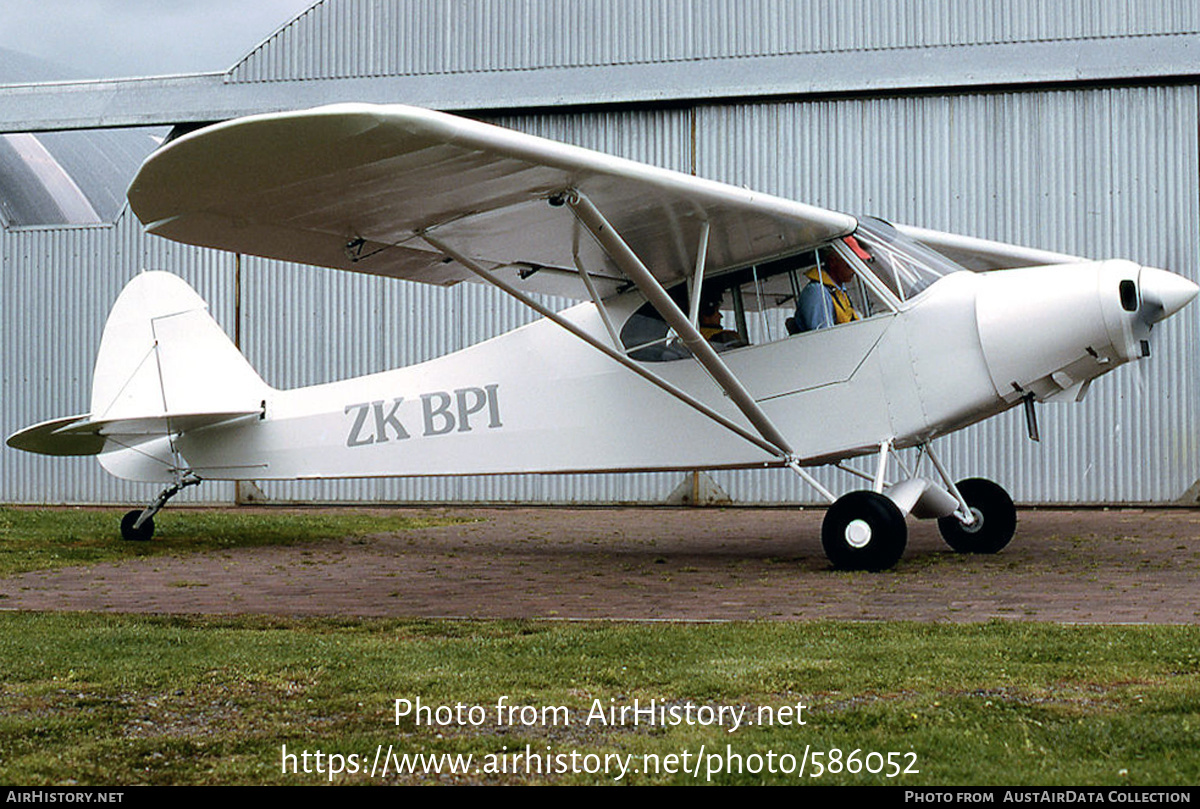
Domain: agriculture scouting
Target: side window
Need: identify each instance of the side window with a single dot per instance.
(647, 338)
(768, 298)
(722, 320)
(760, 304)
(823, 289)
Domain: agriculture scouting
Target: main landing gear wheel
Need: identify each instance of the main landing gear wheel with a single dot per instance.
(995, 519)
(140, 534)
(864, 531)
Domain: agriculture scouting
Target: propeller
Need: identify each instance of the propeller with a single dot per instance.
(1163, 294)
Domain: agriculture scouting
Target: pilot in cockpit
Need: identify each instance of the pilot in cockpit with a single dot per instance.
(710, 323)
(824, 301)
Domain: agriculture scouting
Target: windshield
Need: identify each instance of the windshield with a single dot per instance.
(904, 265)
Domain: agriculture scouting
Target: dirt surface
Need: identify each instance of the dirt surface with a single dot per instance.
(1087, 566)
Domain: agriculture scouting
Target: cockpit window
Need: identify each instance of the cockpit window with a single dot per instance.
(838, 283)
(759, 304)
(903, 265)
(648, 338)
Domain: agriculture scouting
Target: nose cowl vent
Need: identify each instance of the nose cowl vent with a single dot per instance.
(1129, 301)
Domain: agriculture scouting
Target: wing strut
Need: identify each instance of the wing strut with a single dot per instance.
(697, 278)
(705, 354)
(599, 345)
(591, 288)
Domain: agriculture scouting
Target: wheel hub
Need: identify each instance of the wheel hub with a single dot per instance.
(858, 533)
(974, 527)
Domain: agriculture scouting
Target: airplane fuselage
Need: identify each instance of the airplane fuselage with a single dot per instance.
(539, 400)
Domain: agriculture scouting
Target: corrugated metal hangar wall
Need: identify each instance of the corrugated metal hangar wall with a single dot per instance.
(1104, 169)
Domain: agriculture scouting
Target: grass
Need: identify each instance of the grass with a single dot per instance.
(40, 539)
(110, 699)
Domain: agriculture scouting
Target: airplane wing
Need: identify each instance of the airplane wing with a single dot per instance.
(982, 254)
(354, 186)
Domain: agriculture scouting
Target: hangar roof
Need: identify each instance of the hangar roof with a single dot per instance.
(530, 54)
(505, 55)
(343, 39)
(54, 178)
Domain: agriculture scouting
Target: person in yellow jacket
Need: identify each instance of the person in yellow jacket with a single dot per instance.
(824, 301)
(710, 324)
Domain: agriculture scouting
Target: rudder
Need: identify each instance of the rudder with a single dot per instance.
(164, 360)
(162, 354)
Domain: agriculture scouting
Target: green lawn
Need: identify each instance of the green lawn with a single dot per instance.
(109, 699)
(40, 539)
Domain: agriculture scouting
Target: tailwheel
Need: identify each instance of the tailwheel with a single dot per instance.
(141, 533)
(131, 531)
(995, 519)
(864, 531)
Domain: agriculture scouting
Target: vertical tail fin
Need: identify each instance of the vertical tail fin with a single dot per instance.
(162, 354)
(164, 366)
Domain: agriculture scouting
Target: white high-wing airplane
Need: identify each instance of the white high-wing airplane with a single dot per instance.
(719, 328)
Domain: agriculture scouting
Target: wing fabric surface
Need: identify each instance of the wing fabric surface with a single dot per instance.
(982, 254)
(354, 186)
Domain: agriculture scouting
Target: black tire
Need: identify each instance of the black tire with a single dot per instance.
(995, 519)
(864, 531)
(142, 534)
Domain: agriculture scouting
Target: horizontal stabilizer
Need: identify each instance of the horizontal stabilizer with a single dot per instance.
(47, 438)
(171, 424)
(79, 435)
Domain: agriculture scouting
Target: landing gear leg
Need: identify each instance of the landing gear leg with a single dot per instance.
(138, 525)
(986, 518)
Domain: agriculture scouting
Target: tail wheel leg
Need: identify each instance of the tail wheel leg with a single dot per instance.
(138, 525)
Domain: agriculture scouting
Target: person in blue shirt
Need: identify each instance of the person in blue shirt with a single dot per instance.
(824, 301)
